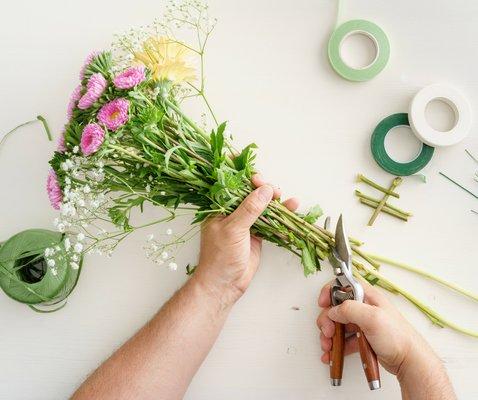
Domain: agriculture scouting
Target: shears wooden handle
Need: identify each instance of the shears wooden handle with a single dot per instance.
(337, 355)
(367, 355)
(369, 361)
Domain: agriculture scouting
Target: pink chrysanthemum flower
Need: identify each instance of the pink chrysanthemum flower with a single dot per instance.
(94, 89)
(87, 62)
(75, 96)
(61, 145)
(53, 190)
(92, 138)
(114, 114)
(130, 78)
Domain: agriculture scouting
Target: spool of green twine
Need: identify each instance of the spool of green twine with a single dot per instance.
(25, 275)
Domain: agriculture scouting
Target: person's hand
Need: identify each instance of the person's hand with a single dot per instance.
(400, 349)
(230, 255)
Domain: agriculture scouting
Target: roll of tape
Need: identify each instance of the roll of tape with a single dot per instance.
(380, 153)
(367, 28)
(458, 104)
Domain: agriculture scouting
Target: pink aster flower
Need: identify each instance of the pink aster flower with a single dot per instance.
(92, 138)
(87, 62)
(75, 96)
(61, 146)
(94, 89)
(130, 78)
(114, 114)
(53, 190)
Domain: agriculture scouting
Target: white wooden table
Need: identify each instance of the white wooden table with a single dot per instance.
(268, 74)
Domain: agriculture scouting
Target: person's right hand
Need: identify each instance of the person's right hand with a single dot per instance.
(400, 349)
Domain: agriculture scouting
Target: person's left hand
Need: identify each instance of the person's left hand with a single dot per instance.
(230, 255)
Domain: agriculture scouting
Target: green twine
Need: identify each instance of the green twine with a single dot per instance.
(38, 118)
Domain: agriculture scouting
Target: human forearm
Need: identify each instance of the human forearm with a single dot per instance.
(161, 359)
(423, 377)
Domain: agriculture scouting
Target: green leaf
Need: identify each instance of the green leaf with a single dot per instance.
(101, 63)
(217, 144)
(308, 260)
(314, 214)
(244, 161)
(168, 155)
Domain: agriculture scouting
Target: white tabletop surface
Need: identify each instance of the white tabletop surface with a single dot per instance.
(269, 76)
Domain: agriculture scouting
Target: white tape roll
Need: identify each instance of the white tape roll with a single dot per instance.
(458, 103)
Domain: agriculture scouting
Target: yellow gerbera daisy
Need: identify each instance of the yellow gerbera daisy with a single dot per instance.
(166, 59)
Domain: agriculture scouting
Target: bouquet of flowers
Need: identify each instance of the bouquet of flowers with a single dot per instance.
(128, 142)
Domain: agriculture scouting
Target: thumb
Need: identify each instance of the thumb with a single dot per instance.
(367, 317)
(251, 208)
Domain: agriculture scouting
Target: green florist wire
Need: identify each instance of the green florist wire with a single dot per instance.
(129, 142)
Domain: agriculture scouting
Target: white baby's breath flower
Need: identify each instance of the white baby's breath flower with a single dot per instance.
(50, 263)
(173, 266)
(163, 193)
(78, 248)
(169, 231)
(86, 189)
(54, 271)
(74, 265)
(164, 255)
(80, 237)
(67, 244)
(76, 149)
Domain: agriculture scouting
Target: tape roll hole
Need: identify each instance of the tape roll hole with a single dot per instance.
(402, 145)
(441, 114)
(359, 50)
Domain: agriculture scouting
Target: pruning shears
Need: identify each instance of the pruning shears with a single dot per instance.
(345, 287)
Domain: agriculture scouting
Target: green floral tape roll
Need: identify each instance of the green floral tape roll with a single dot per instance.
(383, 159)
(367, 28)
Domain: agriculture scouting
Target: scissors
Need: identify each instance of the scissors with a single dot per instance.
(345, 287)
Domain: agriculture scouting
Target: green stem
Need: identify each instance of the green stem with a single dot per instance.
(364, 179)
(460, 186)
(432, 314)
(136, 157)
(426, 274)
(360, 195)
(385, 209)
(374, 216)
(190, 122)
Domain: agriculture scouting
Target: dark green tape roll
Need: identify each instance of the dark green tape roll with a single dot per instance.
(383, 159)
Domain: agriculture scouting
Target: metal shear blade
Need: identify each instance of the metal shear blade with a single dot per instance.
(345, 286)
